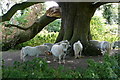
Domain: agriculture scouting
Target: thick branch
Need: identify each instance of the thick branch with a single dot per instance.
(99, 4)
(28, 34)
(12, 25)
(53, 12)
(14, 8)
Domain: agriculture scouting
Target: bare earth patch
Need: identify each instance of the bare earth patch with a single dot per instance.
(10, 56)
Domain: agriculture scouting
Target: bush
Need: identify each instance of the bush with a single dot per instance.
(38, 68)
(54, 26)
(103, 32)
(29, 69)
(107, 69)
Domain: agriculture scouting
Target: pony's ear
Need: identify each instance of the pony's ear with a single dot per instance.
(48, 53)
(66, 40)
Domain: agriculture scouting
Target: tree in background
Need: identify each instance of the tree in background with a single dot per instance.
(109, 13)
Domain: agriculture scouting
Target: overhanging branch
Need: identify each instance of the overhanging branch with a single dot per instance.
(51, 13)
(14, 8)
(99, 4)
(12, 25)
(29, 32)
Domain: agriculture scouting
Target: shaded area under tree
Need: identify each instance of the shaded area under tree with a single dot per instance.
(75, 24)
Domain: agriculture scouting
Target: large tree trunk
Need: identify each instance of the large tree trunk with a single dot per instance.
(76, 24)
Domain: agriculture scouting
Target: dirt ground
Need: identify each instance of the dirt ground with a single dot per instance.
(10, 56)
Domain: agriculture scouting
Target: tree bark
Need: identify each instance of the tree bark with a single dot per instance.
(76, 25)
(67, 22)
(28, 34)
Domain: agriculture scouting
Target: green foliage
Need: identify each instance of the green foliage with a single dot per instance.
(114, 63)
(48, 35)
(102, 32)
(38, 68)
(90, 74)
(99, 31)
(29, 69)
(54, 26)
(107, 69)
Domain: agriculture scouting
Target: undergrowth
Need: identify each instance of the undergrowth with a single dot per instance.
(38, 68)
